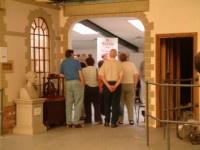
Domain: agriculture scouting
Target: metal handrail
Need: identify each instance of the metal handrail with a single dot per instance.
(167, 121)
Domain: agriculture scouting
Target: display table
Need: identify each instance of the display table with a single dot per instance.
(54, 111)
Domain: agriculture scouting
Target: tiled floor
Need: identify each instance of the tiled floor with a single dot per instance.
(96, 137)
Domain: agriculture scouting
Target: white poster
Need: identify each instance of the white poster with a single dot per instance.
(104, 45)
(3, 54)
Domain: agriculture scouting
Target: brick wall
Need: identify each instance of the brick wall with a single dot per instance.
(9, 119)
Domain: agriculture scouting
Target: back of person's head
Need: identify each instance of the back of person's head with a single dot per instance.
(100, 63)
(113, 53)
(122, 57)
(82, 57)
(83, 65)
(90, 61)
(68, 53)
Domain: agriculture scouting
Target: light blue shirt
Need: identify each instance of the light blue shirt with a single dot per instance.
(70, 68)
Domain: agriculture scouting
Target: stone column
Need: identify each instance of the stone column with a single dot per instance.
(29, 116)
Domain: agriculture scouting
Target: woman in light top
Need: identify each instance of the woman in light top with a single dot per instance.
(91, 92)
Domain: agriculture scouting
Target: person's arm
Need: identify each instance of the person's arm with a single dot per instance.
(110, 87)
(61, 75)
(118, 82)
(135, 79)
(81, 77)
(100, 84)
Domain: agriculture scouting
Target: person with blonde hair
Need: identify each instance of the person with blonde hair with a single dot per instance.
(82, 58)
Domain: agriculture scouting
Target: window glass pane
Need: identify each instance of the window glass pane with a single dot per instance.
(41, 41)
(36, 41)
(46, 41)
(46, 53)
(41, 54)
(41, 32)
(47, 66)
(37, 66)
(37, 53)
(37, 30)
(42, 66)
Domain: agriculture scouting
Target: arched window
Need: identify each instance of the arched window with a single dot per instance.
(40, 51)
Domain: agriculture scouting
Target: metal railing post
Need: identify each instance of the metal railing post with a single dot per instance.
(168, 124)
(166, 121)
(147, 115)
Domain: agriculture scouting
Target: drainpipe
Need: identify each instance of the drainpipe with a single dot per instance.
(1, 110)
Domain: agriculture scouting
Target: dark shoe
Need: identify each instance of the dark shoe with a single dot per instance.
(106, 124)
(69, 125)
(131, 122)
(78, 125)
(120, 122)
(114, 125)
(88, 122)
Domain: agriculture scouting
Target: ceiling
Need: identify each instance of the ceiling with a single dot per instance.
(116, 25)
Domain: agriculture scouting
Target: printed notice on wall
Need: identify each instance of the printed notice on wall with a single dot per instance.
(104, 45)
(3, 54)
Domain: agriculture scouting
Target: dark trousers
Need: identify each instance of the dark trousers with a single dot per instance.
(91, 97)
(112, 103)
(101, 100)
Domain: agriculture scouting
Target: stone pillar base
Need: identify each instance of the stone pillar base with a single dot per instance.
(29, 116)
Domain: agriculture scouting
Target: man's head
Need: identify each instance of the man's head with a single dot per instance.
(69, 53)
(113, 53)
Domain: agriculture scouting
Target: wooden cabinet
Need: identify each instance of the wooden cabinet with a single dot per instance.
(54, 106)
(54, 111)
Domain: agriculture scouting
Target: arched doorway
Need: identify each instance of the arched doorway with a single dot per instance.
(148, 52)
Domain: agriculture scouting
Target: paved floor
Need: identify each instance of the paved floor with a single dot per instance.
(96, 137)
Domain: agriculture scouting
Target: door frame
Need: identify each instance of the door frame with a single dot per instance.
(158, 69)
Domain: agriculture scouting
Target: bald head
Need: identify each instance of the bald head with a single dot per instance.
(113, 53)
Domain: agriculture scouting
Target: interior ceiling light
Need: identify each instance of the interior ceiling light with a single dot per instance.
(137, 23)
(80, 28)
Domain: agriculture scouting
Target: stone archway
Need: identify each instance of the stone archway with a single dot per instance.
(149, 53)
